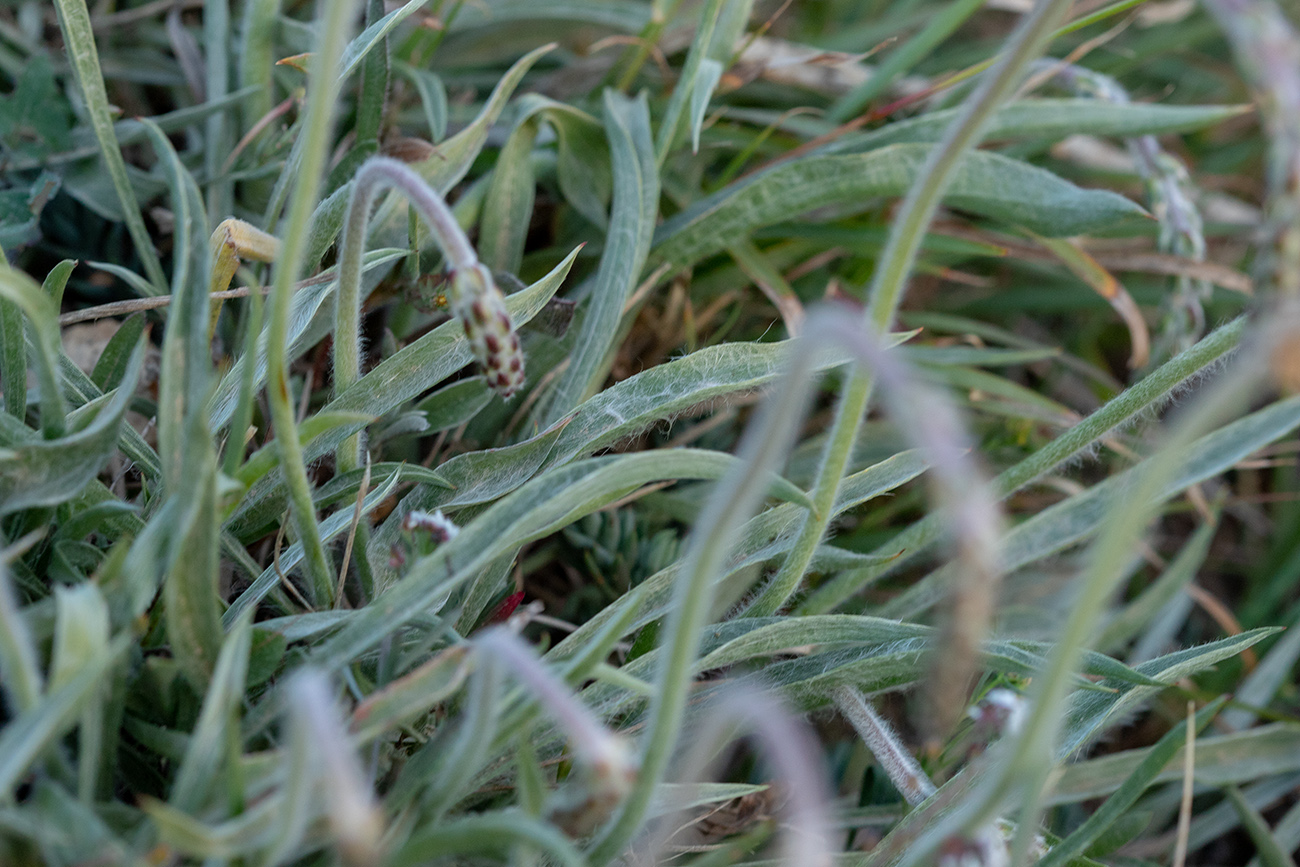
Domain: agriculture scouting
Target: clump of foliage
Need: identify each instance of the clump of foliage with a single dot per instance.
(582, 406)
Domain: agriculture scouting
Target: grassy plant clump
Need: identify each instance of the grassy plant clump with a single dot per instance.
(588, 433)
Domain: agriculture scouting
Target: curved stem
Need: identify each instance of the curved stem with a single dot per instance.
(734, 499)
(375, 175)
(905, 237)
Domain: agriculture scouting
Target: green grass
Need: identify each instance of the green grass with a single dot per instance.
(896, 473)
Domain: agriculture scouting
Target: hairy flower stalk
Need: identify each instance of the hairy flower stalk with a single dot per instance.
(474, 297)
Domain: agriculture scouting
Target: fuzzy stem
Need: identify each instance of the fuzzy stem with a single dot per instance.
(375, 175)
(350, 805)
(903, 771)
(593, 745)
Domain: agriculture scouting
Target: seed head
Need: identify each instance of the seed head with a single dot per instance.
(479, 305)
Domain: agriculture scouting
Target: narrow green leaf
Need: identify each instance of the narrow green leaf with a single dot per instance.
(186, 358)
(79, 40)
(110, 369)
(688, 83)
(23, 683)
(27, 736)
(242, 836)
(1048, 119)
(493, 833)
(13, 359)
(453, 405)
(636, 203)
(767, 536)
(619, 411)
(622, 16)
(209, 745)
(374, 35)
(1091, 713)
(190, 592)
(1118, 804)
(433, 97)
(1261, 686)
(583, 169)
(126, 275)
(508, 208)
(57, 280)
(43, 318)
(540, 507)
(1271, 853)
(81, 636)
(1071, 521)
(1137, 614)
(706, 82)
(50, 472)
(985, 183)
(1151, 391)
(1264, 751)
(411, 696)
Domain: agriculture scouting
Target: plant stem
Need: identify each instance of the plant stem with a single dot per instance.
(905, 237)
(903, 771)
(733, 500)
(321, 100)
(374, 176)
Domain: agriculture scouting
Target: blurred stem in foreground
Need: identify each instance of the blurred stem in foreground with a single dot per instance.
(886, 292)
(766, 442)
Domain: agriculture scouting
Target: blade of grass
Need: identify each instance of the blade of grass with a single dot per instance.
(322, 97)
(636, 202)
(74, 21)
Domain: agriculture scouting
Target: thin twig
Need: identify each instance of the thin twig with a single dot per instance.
(133, 305)
(352, 531)
(275, 561)
(256, 129)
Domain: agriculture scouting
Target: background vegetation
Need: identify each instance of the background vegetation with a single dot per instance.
(896, 474)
